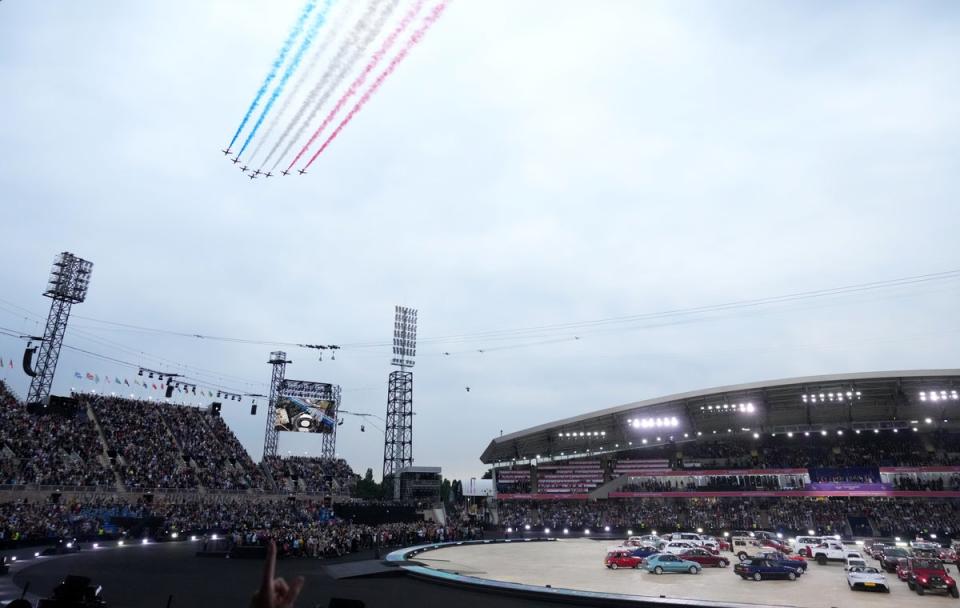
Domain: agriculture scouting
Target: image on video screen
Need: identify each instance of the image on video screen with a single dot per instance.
(304, 415)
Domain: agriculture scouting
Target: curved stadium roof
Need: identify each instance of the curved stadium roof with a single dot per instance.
(893, 399)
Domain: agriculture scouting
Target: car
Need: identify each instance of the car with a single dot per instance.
(676, 547)
(890, 556)
(758, 569)
(622, 558)
(746, 546)
(867, 578)
(642, 552)
(922, 549)
(705, 558)
(804, 544)
(777, 544)
(875, 550)
(795, 561)
(949, 555)
(925, 574)
(666, 562)
(903, 569)
(639, 541)
(719, 543)
(833, 551)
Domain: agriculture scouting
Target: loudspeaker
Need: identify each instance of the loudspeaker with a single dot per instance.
(215, 408)
(253, 409)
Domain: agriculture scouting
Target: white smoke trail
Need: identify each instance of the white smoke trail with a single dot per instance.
(334, 76)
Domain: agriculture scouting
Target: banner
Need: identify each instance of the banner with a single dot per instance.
(846, 486)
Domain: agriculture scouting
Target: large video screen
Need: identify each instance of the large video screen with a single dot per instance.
(305, 407)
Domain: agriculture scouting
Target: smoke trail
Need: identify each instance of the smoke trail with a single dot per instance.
(414, 40)
(356, 84)
(335, 26)
(336, 64)
(319, 20)
(287, 45)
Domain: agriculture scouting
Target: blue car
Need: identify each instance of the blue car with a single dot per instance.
(643, 552)
(759, 568)
(785, 560)
(659, 563)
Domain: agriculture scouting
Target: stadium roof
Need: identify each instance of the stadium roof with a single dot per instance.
(892, 399)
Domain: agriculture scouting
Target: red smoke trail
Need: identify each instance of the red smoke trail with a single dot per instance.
(355, 86)
(414, 40)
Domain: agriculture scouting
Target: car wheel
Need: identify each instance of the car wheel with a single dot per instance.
(911, 586)
(658, 570)
(954, 593)
(742, 555)
(693, 570)
(919, 590)
(886, 589)
(822, 559)
(614, 566)
(638, 566)
(792, 576)
(756, 576)
(724, 563)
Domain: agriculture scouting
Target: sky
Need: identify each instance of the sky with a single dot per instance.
(528, 164)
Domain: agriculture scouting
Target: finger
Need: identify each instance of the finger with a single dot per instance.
(280, 586)
(294, 591)
(266, 586)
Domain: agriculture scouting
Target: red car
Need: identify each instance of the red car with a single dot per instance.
(705, 558)
(622, 558)
(949, 556)
(777, 544)
(903, 572)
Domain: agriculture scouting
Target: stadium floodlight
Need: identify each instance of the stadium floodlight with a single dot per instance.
(726, 535)
(928, 420)
(809, 532)
(644, 442)
(933, 536)
(790, 434)
(629, 532)
(839, 431)
(526, 527)
(653, 532)
(699, 530)
(587, 531)
(896, 430)
(566, 531)
(404, 337)
(119, 543)
(823, 433)
(876, 431)
(509, 530)
(546, 530)
(756, 435)
(779, 535)
(96, 545)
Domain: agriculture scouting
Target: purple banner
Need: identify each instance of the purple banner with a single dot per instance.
(845, 486)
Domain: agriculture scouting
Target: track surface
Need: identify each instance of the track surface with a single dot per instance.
(578, 564)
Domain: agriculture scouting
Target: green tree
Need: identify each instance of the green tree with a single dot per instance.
(445, 491)
(368, 487)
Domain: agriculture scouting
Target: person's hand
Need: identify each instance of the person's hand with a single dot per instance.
(275, 592)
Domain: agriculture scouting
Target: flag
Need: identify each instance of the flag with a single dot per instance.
(118, 380)
(125, 382)
(96, 378)
(77, 375)
(154, 387)
(11, 363)
(89, 376)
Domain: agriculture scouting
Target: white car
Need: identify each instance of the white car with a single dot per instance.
(676, 547)
(640, 541)
(855, 561)
(804, 544)
(867, 578)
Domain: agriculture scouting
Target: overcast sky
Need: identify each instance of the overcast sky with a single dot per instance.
(531, 163)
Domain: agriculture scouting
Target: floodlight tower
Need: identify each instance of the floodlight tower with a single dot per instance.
(69, 280)
(398, 438)
(271, 436)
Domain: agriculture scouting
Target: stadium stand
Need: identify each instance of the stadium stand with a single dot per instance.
(574, 477)
(312, 475)
(50, 449)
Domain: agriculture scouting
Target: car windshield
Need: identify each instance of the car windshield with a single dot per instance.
(928, 564)
(870, 570)
(895, 552)
(857, 563)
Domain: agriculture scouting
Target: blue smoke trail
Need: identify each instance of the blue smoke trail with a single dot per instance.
(287, 45)
(291, 68)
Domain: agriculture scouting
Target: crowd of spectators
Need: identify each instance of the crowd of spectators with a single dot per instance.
(738, 483)
(146, 456)
(301, 528)
(49, 449)
(902, 516)
(312, 475)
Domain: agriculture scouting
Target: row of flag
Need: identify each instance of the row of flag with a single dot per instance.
(179, 387)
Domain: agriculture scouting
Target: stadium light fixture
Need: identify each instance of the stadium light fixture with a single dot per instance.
(644, 442)
(876, 431)
(606, 528)
(13, 558)
(806, 433)
(653, 532)
(790, 434)
(823, 433)
(546, 530)
(726, 535)
(839, 431)
(526, 527)
(36, 554)
(928, 420)
(809, 532)
(586, 531)
(915, 429)
(756, 435)
(145, 541)
(566, 531)
(509, 530)
(857, 431)
(629, 532)
(96, 545)
(699, 530)
(896, 430)
(933, 536)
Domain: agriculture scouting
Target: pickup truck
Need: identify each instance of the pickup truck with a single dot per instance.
(832, 551)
